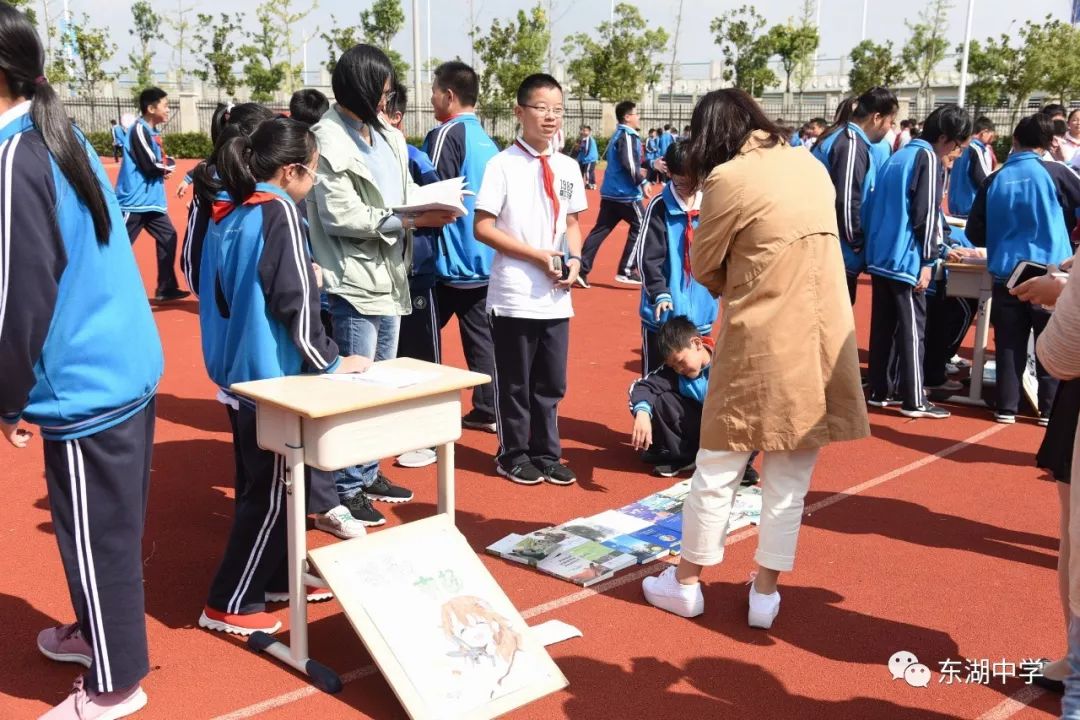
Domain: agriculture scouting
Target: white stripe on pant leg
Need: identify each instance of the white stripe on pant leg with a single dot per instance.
(436, 333)
(95, 611)
(637, 240)
(495, 381)
(916, 371)
(260, 542)
(785, 476)
(80, 557)
(645, 366)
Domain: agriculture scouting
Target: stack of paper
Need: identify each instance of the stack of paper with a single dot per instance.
(445, 195)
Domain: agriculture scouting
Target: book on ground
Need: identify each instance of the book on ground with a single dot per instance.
(647, 544)
(585, 562)
(605, 525)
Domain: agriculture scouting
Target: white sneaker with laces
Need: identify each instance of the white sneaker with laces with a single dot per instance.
(763, 609)
(667, 593)
(340, 522)
(417, 458)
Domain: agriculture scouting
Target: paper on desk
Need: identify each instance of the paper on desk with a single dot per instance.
(553, 631)
(443, 195)
(386, 376)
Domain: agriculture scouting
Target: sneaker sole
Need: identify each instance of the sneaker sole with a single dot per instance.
(336, 532)
(311, 598)
(391, 500)
(674, 473)
(762, 621)
(924, 414)
(129, 707)
(415, 464)
(483, 427)
(657, 600)
(83, 660)
(627, 281)
(515, 479)
(1005, 420)
(219, 626)
(553, 481)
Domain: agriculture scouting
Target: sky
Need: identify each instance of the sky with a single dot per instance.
(841, 21)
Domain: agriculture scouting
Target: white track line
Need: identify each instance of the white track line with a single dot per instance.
(1019, 700)
(1014, 703)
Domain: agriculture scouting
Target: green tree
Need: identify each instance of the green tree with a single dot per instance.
(381, 23)
(180, 31)
(873, 65)
(794, 44)
(745, 48)
(1058, 56)
(92, 51)
(339, 39)
(287, 19)
(510, 52)
(618, 60)
(986, 71)
(1012, 66)
(804, 70)
(217, 47)
(147, 29)
(263, 73)
(927, 46)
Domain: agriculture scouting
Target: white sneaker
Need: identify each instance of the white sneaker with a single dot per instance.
(340, 522)
(763, 609)
(667, 593)
(417, 458)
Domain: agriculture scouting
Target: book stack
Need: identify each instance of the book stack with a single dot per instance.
(589, 550)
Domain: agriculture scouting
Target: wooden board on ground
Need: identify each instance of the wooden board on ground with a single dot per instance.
(441, 630)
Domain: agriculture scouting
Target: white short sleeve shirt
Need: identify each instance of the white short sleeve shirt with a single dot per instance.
(513, 191)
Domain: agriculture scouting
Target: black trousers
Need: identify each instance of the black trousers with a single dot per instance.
(611, 214)
(898, 318)
(530, 380)
(676, 426)
(852, 287)
(1055, 453)
(1014, 321)
(418, 336)
(98, 487)
(470, 306)
(948, 320)
(117, 151)
(256, 552)
(650, 351)
(161, 229)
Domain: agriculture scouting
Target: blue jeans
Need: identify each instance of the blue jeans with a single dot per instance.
(371, 336)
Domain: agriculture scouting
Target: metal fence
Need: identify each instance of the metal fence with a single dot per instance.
(95, 114)
(206, 110)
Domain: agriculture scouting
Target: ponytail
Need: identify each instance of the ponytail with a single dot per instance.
(234, 167)
(240, 119)
(22, 62)
(245, 160)
(844, 112)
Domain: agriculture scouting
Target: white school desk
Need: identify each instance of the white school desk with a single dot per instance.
(968, 280)
(330, 425)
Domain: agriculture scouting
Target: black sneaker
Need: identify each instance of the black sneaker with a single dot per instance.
(523, 474)
(750, 476)
(559, 474)
(170, 295)
(672, 468)
(654, 457)
(927, 410)
(385, 491)
(476, 420)
(360, 507)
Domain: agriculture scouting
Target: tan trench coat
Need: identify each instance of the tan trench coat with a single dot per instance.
(786, 368)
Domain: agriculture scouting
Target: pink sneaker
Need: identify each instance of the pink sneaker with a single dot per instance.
(65, 644)
(83, 704)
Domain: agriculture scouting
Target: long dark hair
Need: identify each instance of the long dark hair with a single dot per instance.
(241, 120)
(22, 60)
(244, 160)
(721, 124)
(358, 81)
(879, 100)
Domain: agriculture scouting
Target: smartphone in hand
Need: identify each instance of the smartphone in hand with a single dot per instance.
(1025, 270)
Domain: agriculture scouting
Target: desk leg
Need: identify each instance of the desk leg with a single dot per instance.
(296, 653)
(445, 455)
(982, 331)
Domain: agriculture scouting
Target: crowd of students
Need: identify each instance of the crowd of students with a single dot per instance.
(300, 263)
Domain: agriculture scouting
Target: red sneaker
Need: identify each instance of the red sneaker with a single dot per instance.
(65, 644)
(83, 704)
(314, 594)
(212, 619)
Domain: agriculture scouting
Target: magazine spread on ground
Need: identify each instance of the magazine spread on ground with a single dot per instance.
(590, 549)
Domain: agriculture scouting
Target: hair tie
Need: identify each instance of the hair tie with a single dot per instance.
(40, 80)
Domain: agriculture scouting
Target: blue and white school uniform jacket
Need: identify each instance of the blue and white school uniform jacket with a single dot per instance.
(140, 186)
(259, 301)
(586, 150)
(880, 152)
(645, 391)
(903, 230)
(425, 240)
(1017, 216)
(460, 148)
(79, 351)
(622, 179)
(118, 136)
(660, 257)
(846, 153)
(968, 174)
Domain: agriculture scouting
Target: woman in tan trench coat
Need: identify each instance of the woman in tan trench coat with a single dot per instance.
(785, 378)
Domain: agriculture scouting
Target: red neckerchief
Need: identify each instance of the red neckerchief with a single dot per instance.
(688, 240)
(221, 208)
(549, 184)
(708, 342)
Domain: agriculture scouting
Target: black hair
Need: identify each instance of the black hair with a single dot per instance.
(1060, 127)
(625, 108)
(951, 122)
(461, 79)
(905, 124)
(587, 127)
(536, 81)
(112, 121)
(877, 100)
(399, 101)
(248, 115)
(667, 126)
(242, 119)
(22, 60)
(819, 122)
(308, 106)
(722, 122)
(359, 78)
(983, 124)
(1034, 131)
(244, 160)
(1052, 109)
(675, 335)
(686, 128)
(150, 96)
(675, 157)
(1073, 112)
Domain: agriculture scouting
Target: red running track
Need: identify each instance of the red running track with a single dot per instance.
(934, 537)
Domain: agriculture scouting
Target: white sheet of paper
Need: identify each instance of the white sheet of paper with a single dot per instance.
(553, 631)
(443, 195)
(385, 376)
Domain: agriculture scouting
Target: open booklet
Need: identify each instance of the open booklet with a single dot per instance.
(443, 195)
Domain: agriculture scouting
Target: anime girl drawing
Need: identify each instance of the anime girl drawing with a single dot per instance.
(485, 647)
